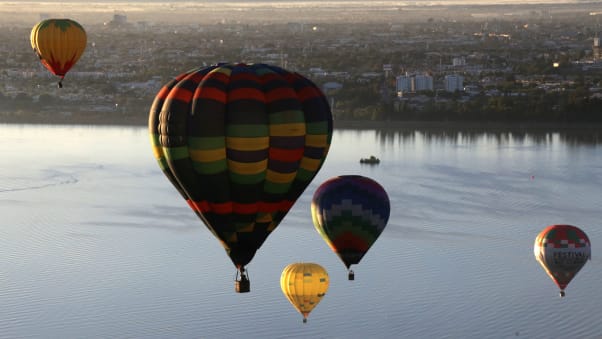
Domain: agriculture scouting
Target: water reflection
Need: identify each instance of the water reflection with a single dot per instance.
(577, 137)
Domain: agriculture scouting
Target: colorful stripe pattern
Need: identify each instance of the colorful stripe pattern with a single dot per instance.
(304, 285)
(562, 250)
(59, 43)
(350, 212)
(240, 143)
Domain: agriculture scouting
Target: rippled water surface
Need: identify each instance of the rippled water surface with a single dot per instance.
(95, 242)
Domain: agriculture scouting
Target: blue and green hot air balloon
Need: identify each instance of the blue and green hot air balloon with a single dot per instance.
(350, 212)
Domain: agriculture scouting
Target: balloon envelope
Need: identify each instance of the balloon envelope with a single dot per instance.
(59, 43)
(562, 250)
(240, 143)
(350, 212)
(304, 285)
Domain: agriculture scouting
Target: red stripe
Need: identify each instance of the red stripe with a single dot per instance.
(163, 92)
(178, 93)
(280, 93)
(308, 93)
(219, 76)
(53, 66)
(271, 76)
(246, 93)
(349, 240)
(245, 76)
(238, 208)
(286, 155)
(210, 93)
(195, 77)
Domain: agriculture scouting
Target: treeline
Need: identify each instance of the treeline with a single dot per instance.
(540, 107)
(528, 106)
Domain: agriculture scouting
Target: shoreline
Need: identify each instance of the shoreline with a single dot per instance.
(469, 125)
(142, 121)
(337, 124)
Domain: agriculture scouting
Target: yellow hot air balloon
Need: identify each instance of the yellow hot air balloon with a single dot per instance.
(59, 43)
(304, 285)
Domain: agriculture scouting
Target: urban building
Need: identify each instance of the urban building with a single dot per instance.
(403, 83)
(454, 82)
(423, 82)
(459, 61)
(414, 83)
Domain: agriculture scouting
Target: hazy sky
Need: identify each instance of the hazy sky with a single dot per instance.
(206, 10)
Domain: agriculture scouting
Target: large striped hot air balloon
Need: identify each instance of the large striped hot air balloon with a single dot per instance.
(59, 43)
(240, 143)
(562, 250)
(304, 285)
(350, 212)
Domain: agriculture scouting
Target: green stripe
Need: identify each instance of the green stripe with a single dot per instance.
(213, 167)
(275, 188)
(304, 175)
(247, 130)
(247, 178)
(206, 143)
(163, 164)
(317, 127)
(155, 140)
(287, 117)
(361, 228)
(176, 153)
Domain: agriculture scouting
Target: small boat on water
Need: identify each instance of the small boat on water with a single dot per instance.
(371, 161)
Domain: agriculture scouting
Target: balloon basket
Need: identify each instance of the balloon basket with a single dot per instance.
(242, 286)
(351, 275)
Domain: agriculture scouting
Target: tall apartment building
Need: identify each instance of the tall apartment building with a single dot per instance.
(454, 82)
(414, 83)
(423, 82)
(403, 83)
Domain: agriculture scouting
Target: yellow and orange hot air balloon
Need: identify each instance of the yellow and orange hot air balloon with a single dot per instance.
(59, 43)
(304, 285)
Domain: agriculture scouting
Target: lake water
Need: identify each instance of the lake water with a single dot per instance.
(95, 242)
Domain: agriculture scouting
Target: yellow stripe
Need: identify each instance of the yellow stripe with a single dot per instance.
(246, 228)
(316, 140)
(264, 218)
(248, 144)
(158, 152)
(33, 36)
(310, 164)
(232, 238)
(287, 130)
(208, 155)
(247, 167)
(280, 178)
(272, 226)
(224, 70)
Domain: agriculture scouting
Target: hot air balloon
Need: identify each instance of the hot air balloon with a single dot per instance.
(240, 143)
(59, 43)
(304, 285)
(350, 212)
(562, 250)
